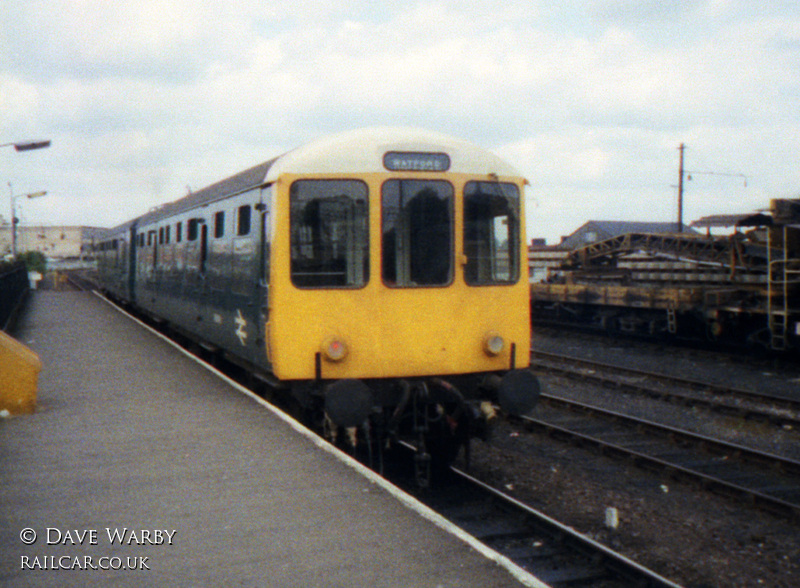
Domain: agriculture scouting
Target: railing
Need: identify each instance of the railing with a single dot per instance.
(13, 287)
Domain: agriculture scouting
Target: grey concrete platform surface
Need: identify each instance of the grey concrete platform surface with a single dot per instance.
(141, 468)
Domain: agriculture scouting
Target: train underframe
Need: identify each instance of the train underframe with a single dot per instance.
(439, 416)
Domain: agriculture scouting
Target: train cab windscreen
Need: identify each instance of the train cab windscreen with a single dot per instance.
(417, 240)
(491, 233)
(329, 234)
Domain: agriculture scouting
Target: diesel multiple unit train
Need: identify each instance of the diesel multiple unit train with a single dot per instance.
(377, 278)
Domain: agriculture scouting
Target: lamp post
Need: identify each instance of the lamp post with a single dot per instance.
(22, 146)
(14, 219)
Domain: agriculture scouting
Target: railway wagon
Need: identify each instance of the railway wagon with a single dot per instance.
(740, 290)
(378, 278)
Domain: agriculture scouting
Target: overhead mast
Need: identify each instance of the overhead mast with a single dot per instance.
(680, 189)
(682, 172)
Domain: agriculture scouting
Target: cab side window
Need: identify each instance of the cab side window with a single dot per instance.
(491, 233)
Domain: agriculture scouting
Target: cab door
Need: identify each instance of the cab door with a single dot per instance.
(130, 284)
(246, 305)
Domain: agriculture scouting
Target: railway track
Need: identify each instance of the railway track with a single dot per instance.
(761, 479)
(553, 552)
(778, 410)
(69, 281)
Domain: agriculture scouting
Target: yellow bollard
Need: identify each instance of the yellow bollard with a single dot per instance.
(19, 374)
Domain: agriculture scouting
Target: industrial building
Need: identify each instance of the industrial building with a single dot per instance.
(55, 242)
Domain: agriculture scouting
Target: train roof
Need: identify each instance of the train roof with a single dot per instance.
(235, 184)
(363, 150)
(358, 151)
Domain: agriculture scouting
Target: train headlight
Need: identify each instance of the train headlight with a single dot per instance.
(334, 349)
(493, 344)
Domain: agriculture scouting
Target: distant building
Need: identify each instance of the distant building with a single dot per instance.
(67, 242)
(594, 231)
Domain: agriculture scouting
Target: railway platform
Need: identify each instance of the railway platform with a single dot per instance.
(141, 467)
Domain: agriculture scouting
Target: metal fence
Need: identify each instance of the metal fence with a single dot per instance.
(13, 287)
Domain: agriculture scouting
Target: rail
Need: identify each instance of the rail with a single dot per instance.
(778, 410)
(555, 553)
(732, 252)
(762, 479)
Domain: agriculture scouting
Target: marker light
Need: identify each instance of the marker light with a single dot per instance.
(334, 349)
(493, 343)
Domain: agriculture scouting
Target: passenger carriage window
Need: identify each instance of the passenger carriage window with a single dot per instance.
(193, 229)
(417, 221)
(243, 221)
(219, 225)
(491, 233)
(329, 233)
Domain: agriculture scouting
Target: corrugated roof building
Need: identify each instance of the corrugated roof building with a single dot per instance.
(594, 231)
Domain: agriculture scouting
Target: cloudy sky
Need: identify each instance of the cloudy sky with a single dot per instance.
(590, 99)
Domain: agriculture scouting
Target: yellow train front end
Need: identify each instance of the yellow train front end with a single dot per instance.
(398, 276)
(373, 326)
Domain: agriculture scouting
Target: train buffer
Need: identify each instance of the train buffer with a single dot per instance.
(140, 467)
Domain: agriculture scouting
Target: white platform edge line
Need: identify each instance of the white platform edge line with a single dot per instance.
(524, 577)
